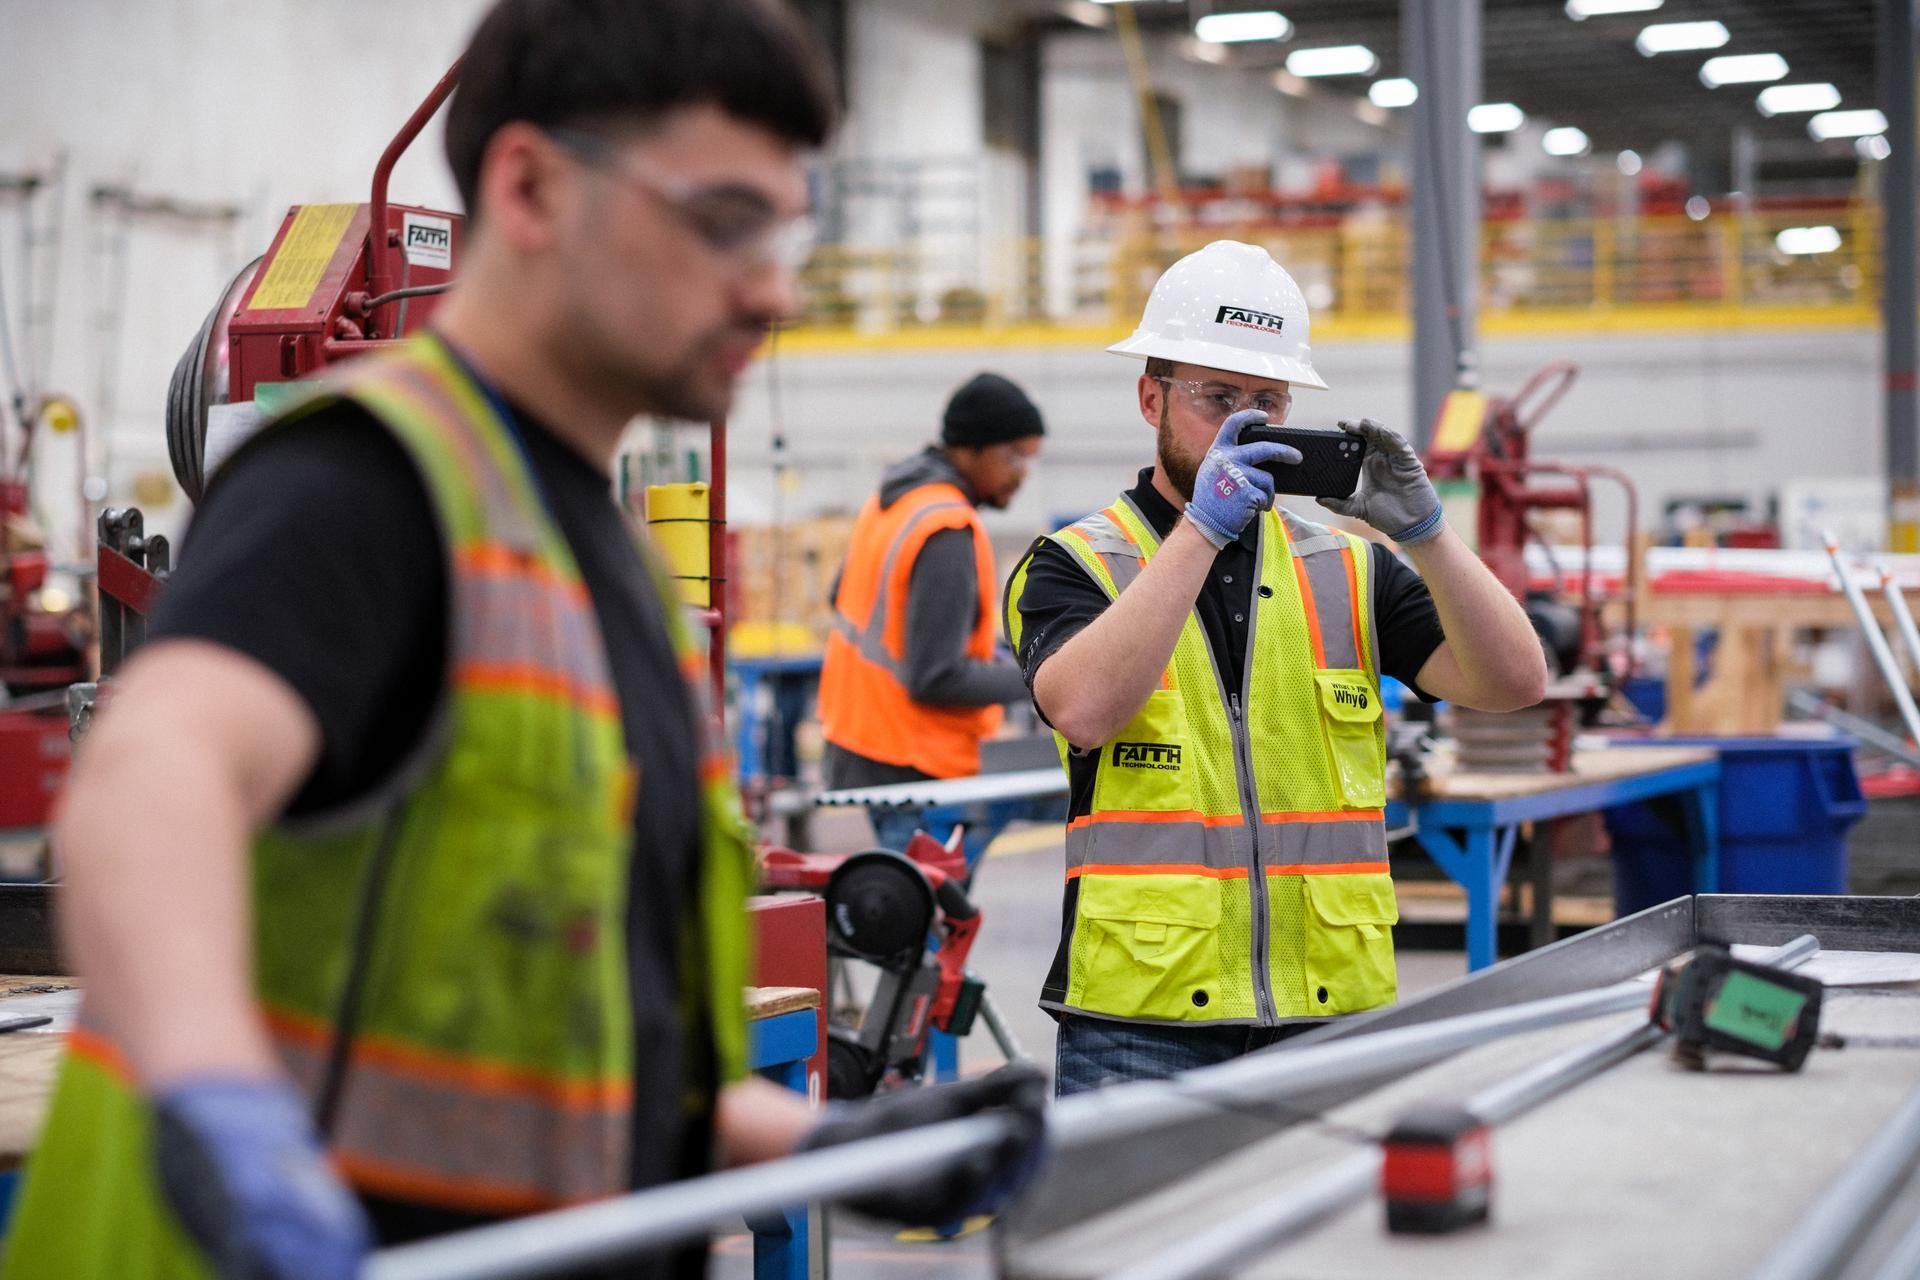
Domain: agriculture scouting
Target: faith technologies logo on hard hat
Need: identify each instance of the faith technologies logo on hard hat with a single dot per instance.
(1242, 318)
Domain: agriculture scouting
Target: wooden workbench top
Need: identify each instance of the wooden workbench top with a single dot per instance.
(1599, 764)
(768, 1002)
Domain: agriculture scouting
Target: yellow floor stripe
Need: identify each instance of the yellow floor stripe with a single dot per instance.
(1051, 835)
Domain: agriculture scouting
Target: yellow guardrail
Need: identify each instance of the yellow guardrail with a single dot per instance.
(1565, 274)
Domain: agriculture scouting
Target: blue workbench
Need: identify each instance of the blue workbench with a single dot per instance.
(1469, 822)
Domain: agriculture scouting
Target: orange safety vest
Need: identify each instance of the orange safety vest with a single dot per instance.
(864, 704)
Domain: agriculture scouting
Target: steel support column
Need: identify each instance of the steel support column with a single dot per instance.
(1897, 296)
(1440, 47)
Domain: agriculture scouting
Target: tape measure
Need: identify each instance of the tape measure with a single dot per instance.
(1716, 1002)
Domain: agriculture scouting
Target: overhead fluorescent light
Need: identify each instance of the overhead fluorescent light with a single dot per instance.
(1782, 99)
(1290, 84)
(1231, 28)
(1495, 117)
(1742, 68)
(1397, 91)
(1873, 147)
(1204, 51)
(1339, 60)
(1581, 10)
(1801, 240)
(1846, 124)
(1565, 141)
(1678, 37)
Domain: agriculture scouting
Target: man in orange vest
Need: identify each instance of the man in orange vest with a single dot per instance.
(911, 683)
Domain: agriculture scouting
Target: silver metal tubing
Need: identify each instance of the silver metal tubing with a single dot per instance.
(610, 1229)
(1902, 617)
(1870, 734)
(1088, 1118)
(1218, 1248)
(1903, 1263)
(1876, 641)
(1002, 1033)
(1827, 1234)
(1214, 1251)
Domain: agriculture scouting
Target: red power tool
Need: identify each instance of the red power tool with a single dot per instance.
(909, 916)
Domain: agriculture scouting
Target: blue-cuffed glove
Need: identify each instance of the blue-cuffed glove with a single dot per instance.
(242, 1168)
(1395, 495)
(984, 1181)
(1230, 489)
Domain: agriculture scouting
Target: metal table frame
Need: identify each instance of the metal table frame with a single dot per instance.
(1473, 840)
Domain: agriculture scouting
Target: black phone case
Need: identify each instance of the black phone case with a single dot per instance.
(1329, 465)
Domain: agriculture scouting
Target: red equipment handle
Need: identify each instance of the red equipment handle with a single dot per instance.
(381, 271)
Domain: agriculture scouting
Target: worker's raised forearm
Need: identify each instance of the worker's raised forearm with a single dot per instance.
(1501, 664)
(1100, 679)
(152, 840)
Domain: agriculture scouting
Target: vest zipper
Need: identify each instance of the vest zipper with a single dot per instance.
(1256, 875)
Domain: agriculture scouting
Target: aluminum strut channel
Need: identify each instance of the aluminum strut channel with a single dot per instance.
(1217, 1249)
(1826, 1235)
(1876, 641)
(608, 1230)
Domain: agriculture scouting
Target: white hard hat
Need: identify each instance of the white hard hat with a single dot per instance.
(1228, 306)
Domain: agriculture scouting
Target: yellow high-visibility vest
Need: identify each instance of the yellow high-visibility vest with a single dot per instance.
(1229, 863)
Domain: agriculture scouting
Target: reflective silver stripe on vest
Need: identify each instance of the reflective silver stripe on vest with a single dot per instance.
(1323, 842)
(506, 521)
(1117, 552)
(1117, 842)
(871, 641)
(1319, 553)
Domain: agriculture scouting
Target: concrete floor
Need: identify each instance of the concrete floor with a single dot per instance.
(1019, 891)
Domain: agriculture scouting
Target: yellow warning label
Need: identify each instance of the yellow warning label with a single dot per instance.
(304, 253)
(1460, 419)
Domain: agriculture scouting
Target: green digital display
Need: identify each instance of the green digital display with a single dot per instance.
(1754, 1010)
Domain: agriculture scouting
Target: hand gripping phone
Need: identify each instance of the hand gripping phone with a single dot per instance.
(1329, 465)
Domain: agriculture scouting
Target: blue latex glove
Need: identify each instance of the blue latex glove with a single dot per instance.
(1230, 489)
(984, 1182)
(242, 1168)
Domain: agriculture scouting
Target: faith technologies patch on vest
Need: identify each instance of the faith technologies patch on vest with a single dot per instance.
(1242, 318)
(1146, 755)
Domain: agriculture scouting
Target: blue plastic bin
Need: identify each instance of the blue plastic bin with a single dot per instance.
(1785, 807)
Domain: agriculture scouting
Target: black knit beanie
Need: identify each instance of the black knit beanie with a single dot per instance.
(990, 410)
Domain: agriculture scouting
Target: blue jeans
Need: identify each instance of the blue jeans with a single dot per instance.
(1092, 1053)
(893, 828)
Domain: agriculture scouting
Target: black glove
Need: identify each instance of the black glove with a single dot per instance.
(982, 1182)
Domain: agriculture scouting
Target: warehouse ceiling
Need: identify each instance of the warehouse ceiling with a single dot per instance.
(1588, 73)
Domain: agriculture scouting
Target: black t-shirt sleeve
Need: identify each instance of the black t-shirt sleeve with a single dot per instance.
(1405, 619)
(316, 554)
(1056, 601)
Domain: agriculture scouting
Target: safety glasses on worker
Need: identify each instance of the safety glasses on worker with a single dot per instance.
(738, 223)
(1215, 402)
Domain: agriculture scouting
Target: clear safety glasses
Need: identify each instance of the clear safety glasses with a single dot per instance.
(1215, 402)
(738, 223)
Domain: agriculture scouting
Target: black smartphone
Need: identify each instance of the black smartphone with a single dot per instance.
(1329, 465)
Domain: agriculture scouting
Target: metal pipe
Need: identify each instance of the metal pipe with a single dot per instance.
(380, 240)
(1876, 642)
(1220, 1247)
(1826, 1235)
(1902, 617)
(1903, 1262)
(1869, 733)
(611, 1229)
(1088, 1118)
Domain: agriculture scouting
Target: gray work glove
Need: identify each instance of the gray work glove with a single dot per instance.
(1395, 495)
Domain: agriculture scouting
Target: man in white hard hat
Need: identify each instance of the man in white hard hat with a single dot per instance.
(1211, 666)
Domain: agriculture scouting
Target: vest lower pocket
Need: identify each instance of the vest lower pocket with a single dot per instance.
(1147, 946)
(1349, 943)
(1350, 717)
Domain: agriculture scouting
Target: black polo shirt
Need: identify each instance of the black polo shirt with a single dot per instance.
(316, 553)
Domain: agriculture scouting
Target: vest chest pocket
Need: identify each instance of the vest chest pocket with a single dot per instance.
(1148, 765)
(1349, 716)
(1145, 946)
(1349, 951)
